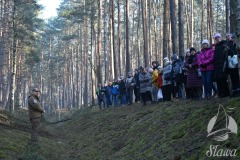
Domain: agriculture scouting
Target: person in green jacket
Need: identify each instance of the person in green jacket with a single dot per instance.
(35, 113)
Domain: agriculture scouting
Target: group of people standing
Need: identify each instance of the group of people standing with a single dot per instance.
(203, 74)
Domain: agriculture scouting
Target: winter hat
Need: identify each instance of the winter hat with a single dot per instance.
(174, 57)
(217, 35)
(150, 70)
(205, 41)
(228, 34)
(192, 49)
(165, 60)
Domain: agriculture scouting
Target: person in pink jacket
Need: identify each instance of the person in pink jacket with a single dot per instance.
(205, 61)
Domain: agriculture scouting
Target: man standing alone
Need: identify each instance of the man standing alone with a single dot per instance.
(35, 113)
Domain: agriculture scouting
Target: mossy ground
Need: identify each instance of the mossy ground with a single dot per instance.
(166, 131)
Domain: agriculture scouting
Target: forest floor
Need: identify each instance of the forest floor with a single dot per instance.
(165, 131)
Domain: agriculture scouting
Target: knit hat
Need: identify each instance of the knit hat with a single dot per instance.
(174, 57)
(205, 41)
(192, 49)
(217, 35)
(165, 60)
(228, 34)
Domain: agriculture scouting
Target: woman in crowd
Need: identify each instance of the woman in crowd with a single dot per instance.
(205, 61)
(145, 79)
(194, 82)
(167, 78)
(185, 75)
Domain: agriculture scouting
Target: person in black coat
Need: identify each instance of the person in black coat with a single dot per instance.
(122, 91)
(220, 58)
(100, 95)
(233, 70)
(137, 86)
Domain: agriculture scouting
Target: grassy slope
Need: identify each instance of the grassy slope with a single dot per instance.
(163, 131)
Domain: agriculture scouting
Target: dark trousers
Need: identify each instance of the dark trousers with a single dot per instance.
(100, 101)
(35, 129)
(108, 99)
(146, 96)
(187, 90)
(222, 88)
(167, 91)
(130, 96)
(207, 83)
(137, 94)
(195, 93)
(234, 75)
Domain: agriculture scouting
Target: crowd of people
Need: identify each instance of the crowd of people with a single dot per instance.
(210, 72)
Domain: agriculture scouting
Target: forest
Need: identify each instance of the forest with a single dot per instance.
(90, 42)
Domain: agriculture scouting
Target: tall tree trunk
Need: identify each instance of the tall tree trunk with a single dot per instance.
(127, 39)
(187, 24)
(232, 16)
(217, 20)
(119, 40)
(113, 41)
(86, 59)
(173, 26)
(92, 62)
(165, 28)
(192, 23)
(238, 25)
(227, 15)
(202, 23)
(106, 66)
(155, 30)
(112, 70)
(149, 29)
(210, 21)
(138, 33)
(99, 41)
(13, 77)
(181, 28)
(145, 42)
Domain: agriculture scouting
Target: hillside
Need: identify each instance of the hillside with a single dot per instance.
(170, 130)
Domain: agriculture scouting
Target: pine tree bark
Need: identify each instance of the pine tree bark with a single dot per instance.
(202, 21)
(127, 39)
(173, 26)
(238, 25)
(111, 55)
(119, 40)
(232, 16)
(145, 42)
(227, 15)
(99, 41)
(14, 60)
(165, 28)
(155, 30)
(181, 28)
(113, 40)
